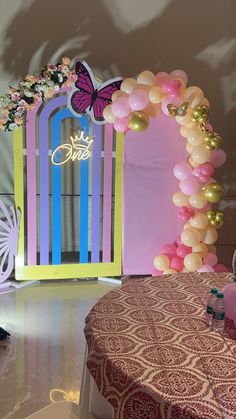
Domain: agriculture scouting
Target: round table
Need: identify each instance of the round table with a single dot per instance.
(152, 355)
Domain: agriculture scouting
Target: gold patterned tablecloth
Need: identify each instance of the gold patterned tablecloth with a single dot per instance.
(152, 355)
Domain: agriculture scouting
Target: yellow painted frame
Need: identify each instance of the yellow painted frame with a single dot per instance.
(63, 271)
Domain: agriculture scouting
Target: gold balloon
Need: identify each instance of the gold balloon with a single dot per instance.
(139, 121)
(211, 215)
(219, 216)
(213, 192)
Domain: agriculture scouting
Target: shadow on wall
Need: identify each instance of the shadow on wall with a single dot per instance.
(198, 36)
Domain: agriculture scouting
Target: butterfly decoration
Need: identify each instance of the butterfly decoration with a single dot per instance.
(9, 232)
(90, 96)
(177, 110)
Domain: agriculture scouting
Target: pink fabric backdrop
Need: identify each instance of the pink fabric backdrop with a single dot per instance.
(150, 218)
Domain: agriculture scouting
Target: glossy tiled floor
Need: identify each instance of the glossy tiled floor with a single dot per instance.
(47, 346)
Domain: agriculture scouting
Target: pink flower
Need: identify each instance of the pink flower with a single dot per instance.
(72, 77)
(15, 96)
(21, 109)
(22, 103)
(52, 67)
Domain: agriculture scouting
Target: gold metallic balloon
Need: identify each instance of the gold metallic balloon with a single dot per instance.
(213, 192)
(139, 121)
(214, 223)
(219, 216)
(211, 215)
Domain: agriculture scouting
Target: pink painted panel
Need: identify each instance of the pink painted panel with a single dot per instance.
(150, 218)
(107, 193)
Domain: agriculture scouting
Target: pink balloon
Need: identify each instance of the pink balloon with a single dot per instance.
(177, 263)
(219, 267)
(180, 74)
(183, 250)
(156, 272)
(218, 157)
(190, 185)
(179, 241)
(210, 259)
(121, 124)
(171, 87)
(206, 268)
(182, 171)
(169, 249)
(174, 100)
(161, 77)
(120, 108)
(229, 291)
(138, 99)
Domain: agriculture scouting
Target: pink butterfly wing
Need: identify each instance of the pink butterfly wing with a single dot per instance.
(104, 97)
(84, 80)
(80, 101)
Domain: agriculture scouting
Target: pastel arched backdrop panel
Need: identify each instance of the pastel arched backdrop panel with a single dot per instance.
(38, 193)
(150, 218)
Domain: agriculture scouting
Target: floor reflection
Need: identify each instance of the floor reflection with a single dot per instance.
(47, 344)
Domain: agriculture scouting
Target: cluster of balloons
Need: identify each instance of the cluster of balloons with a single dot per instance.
(198, 190)
(132, 106)
(139, 100)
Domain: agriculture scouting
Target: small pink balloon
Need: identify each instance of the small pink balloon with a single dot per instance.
(138, 99)
(182, 171)
(120, 108)
(183, 250)
(206, 268)
(173, 100)
(177, 263)
(206, 169)
(168, 248)
(178, 241)
(179, 74)
(210, 259)
(171, 87)
(121, 124)
(219, 267)
(229, 291)
(190, 185)
(218, 157)
(156, 272)
(162, 77)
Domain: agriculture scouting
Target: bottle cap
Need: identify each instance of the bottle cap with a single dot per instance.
(220, 295)
(214, 291)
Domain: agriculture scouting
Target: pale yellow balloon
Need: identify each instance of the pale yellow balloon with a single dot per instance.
(117, 94)
(205, 102)
(201, 155)
(197, 200)
(161, 262)
(156, 94)
(194, 95)
(192, 262)
(189, 148)
(180, 199)
(201, 249)
(212, 248)
(184, 131)
(185, 270)
(147, 77)
(187, 225)
(191, 124)
(192, 162)
(128, 85)
(210, 235)
(190, 237)
(199, 221)
(108, 115)
(169, 271)
(195, 136)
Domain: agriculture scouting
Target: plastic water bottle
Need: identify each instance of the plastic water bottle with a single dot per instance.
(210, 304)
(218, 320)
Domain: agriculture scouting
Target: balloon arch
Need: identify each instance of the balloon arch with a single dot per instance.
(132, 106)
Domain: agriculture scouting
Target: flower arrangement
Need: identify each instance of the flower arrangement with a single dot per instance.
(18, 100)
